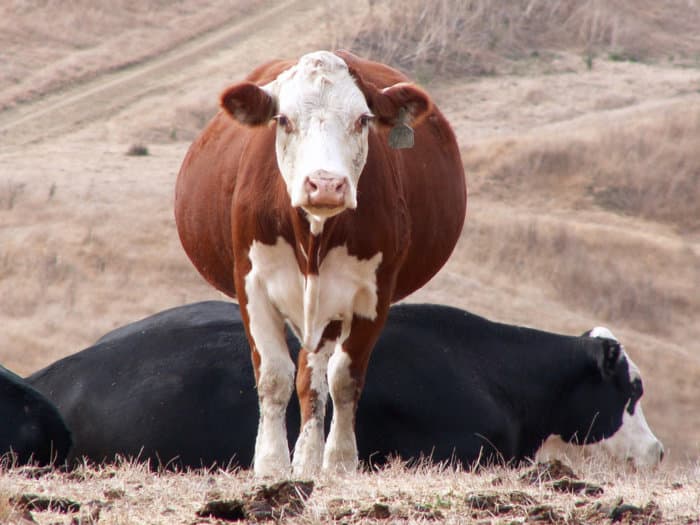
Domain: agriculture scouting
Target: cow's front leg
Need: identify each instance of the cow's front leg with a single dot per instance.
(346, 375)
(340, 454)
(312, 390)
(274, 372)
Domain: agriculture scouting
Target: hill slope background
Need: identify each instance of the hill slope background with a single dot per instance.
(578, 123)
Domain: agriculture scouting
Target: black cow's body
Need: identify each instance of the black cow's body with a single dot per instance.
(30, 426)
(443, 383)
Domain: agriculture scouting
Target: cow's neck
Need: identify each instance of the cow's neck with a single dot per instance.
(555, 361)
(565, 369)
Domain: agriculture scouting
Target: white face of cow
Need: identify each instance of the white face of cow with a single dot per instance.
(322, 108)
(322, 128)
(634, 442)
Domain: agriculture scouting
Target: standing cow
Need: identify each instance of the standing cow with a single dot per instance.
(308, 200)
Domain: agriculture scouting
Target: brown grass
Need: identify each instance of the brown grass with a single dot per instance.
(645, 164)
(588, 271)
(454, 37)
(579, 188)
(420, 494)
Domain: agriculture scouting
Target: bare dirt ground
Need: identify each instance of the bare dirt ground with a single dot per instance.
(567, 224)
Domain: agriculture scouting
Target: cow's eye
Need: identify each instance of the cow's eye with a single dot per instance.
(284, 122)
(363, 121)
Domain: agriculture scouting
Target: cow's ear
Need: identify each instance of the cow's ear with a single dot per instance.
(608, 357)
(391, 105)
(249, 104)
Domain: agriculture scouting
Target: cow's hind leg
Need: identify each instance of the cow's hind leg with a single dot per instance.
(312, 390)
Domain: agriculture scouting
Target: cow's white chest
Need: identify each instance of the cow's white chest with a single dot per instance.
(344, 287)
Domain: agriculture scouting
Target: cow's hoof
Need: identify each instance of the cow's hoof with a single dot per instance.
(336, 462)
(307, 465)
(305, 471)
(308, 451)
(271, 466)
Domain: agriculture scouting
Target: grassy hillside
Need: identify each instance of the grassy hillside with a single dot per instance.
(457, 37)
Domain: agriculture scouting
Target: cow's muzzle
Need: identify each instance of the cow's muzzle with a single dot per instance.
(326, 190)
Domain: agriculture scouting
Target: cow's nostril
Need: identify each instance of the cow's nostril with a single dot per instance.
(661, 454)
(312, 186)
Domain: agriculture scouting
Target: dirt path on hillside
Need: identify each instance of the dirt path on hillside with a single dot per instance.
(68, 110)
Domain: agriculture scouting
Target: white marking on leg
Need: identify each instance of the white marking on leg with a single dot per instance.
(276, 375)
(340, 454)
(308, 451)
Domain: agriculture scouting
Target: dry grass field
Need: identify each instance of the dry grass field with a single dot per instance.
(579, 124)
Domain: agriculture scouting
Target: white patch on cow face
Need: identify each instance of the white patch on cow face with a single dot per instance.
(344, 287)
(633, 442)
(322, 130)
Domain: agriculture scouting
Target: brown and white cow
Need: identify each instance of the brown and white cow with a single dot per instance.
(293, 201)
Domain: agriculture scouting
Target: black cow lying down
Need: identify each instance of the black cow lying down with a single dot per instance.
(31, 428)
(177, 388)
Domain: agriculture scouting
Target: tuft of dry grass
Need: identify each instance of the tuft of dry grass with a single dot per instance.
(454, 37)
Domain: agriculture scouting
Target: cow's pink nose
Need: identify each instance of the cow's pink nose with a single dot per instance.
(325, 190)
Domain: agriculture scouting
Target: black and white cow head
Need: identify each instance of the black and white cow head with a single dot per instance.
(609, 400)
